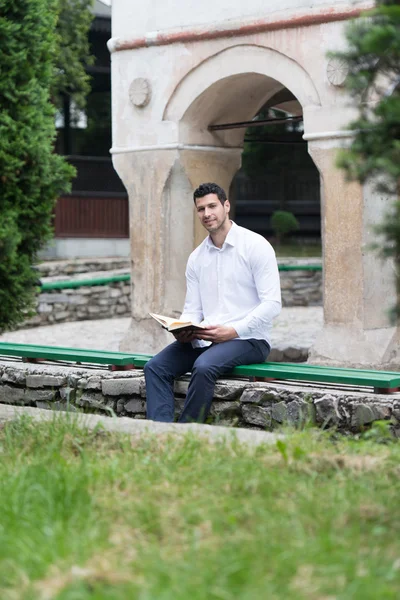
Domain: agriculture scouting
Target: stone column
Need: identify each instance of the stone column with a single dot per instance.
(358, 287)
(163, 230)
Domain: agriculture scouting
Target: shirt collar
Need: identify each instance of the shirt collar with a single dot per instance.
(230, 238)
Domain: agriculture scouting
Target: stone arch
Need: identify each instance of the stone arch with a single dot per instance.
(234, 83)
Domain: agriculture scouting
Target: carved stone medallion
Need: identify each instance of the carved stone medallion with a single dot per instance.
(337, 71)
(140, 92)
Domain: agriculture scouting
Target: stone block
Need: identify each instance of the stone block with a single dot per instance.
(61, 315)
(299, 412)
(361, 414)
(115, 293)
(41, 381)
(50, 298)
(44, 307)
(225, 409)
(259, 396)
(121, 387)
(68, 394)
(279, 412)
(293, 352)
(276, 355)
(326, 409)
(78, 299)
(42, 395)
(94, 383)
(135, 406)
(257, 415)
(122, 309)
(229, 390)
(14, 376)
(12, 395)
(91, 399)
(93, 309)
(181, 386)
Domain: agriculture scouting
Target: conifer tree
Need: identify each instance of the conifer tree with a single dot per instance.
(32, 176)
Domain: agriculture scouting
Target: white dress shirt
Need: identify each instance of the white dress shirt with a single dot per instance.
(236, 285)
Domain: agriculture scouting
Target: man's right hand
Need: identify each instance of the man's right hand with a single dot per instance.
(184, 337)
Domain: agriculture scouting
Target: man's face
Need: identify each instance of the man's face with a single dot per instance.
(212, 214)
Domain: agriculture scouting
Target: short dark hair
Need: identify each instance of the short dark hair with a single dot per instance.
(209, 188)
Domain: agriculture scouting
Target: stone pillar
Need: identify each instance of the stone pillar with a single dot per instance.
(358, 287)
(163, 230)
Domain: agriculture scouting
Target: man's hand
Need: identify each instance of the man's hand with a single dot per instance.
(217, 334)
(185, 336)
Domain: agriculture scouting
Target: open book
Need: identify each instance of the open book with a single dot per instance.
(174, 324)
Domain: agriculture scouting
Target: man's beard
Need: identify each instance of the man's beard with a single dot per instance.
(216, 226)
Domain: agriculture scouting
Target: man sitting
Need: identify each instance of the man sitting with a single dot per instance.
(233, 289)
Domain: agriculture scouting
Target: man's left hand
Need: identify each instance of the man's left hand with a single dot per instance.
(217, 334)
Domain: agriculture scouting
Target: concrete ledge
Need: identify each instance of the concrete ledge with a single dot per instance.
(145, 428)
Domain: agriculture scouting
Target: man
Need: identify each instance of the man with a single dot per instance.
(233, 289)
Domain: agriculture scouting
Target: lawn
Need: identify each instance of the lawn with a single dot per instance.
(94, 515)
(297, 250)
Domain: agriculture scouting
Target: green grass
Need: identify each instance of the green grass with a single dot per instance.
(92, 515)
(298, 250)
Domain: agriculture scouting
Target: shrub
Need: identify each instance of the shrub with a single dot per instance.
(32, 175)
(283, 222)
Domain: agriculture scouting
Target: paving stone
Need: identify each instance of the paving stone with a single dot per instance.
(121, 387)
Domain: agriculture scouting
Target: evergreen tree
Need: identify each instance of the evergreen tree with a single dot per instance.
(373, 60)
(72, 54)
(32, 176)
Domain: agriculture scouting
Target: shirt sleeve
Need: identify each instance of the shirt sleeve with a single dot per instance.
(192, 310)
(266, 278)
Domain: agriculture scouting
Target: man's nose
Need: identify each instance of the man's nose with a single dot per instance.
(206, 212)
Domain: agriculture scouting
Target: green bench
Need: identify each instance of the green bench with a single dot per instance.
(37, 353)
(380, 381)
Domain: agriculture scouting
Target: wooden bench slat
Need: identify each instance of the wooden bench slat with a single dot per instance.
(305, 372)
(69, 354)
(326, 374)
(293, 371)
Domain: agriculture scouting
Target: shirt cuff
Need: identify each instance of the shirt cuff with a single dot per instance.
(240, 327)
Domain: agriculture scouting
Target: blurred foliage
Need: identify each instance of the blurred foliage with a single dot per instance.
(72, 52)
(283, 222)
(32, 175)
(373, 61)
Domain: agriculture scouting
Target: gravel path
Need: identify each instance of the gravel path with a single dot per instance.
(297, 326)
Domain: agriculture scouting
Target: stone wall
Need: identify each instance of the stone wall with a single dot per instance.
(61, 268)
(237, 402)
(82, 303)
(299, 288)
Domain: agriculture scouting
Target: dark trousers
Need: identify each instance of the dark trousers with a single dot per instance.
(206, 365)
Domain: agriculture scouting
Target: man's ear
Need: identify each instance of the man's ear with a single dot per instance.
(227, 205)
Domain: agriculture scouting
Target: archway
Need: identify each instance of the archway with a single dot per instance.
(177, 149)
